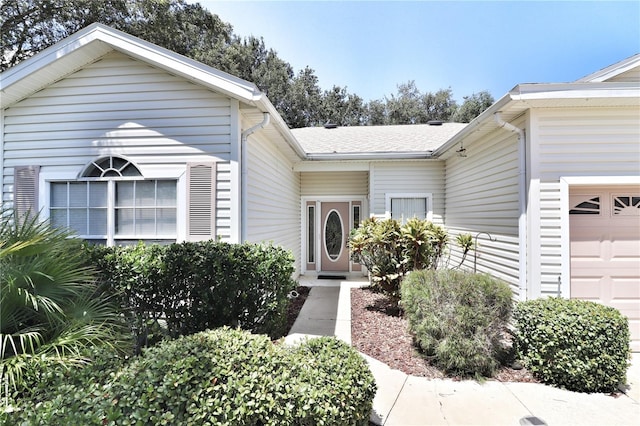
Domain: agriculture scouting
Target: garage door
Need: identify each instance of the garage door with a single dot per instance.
(605, 250)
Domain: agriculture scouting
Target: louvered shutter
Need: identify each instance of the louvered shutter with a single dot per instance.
(25, 190)
(201, 201)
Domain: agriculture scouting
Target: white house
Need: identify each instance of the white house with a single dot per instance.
(124, 141)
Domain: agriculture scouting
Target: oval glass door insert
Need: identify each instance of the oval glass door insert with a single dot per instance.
(333, 235)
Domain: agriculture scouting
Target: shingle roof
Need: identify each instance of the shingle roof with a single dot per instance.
(375, 139)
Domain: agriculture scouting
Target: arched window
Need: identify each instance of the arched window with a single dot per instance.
(111, 203)
(110, 167)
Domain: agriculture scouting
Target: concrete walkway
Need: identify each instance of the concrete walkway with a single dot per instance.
(403, 400)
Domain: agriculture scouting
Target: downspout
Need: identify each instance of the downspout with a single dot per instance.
(266, 118)
(522, 202)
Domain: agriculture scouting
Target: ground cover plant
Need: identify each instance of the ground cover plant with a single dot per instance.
(458, 319)
(574, 344)
(223, 377)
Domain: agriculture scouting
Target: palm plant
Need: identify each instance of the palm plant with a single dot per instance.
(50, 311)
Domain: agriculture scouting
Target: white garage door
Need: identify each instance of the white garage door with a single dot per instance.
(605, 250)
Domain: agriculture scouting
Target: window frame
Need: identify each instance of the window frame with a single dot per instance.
(176, 174)
(428, 196)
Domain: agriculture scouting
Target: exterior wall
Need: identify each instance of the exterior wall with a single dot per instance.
(120, 106)
(482, 197)
(422, 176)
(273, 197)
(588, 145)
(334, 183)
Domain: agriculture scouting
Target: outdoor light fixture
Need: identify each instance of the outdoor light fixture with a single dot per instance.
(462, 152)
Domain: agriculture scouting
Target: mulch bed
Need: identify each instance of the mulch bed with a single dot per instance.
(295, 304)
(378, 330)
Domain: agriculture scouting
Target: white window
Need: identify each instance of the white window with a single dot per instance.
(111, 203)
(404, 206)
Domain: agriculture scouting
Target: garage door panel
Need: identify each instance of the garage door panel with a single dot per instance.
(625, 288)
(625, 249)
(586, 249)
(605, 249)
(586, 288)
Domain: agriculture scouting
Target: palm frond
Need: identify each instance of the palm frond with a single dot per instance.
(26, 341)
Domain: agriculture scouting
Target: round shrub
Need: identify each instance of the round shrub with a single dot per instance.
(574, 344)
(333, 384)
(220, 377)
(458, 319)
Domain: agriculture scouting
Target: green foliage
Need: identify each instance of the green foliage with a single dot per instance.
(221, 377)
(50, 309)
(410, 106)
(29, 26)
(332, 384)
(376, 245)
(473, 106)
(390, 250)
(458, 318)
(574, 344)
(423, 244)
(184, 288)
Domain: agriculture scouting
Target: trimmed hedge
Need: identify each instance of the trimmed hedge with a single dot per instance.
(459, 319)
(574, 344)
(190, 287)
(222, 377)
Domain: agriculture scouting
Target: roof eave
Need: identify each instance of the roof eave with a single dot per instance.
(578, 90)
(354, 156)
(264, 104)
(117, 40)
(531, 92)
(612, 70)
(473, 125)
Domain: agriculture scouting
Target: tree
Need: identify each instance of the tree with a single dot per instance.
(376, 113)
(342, 108)
(405, 108)
(438, 106)
(187, 29)
(27, 26)
(473, 106)
(302, 106)
(410, 106)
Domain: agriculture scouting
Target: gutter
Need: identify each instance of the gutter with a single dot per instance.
(266, 118)
(475, 124)
(522, 202)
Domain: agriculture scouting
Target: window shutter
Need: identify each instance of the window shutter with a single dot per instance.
(25, 190)
(201, 201)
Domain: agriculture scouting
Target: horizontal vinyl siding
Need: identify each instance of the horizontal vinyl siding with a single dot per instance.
(408, 177)
(120, 106)
(588, 142)
(273, 198)
(576, 142)
(334, 183)
(482, 197)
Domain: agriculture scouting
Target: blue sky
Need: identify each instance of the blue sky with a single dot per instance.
(372, 46)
